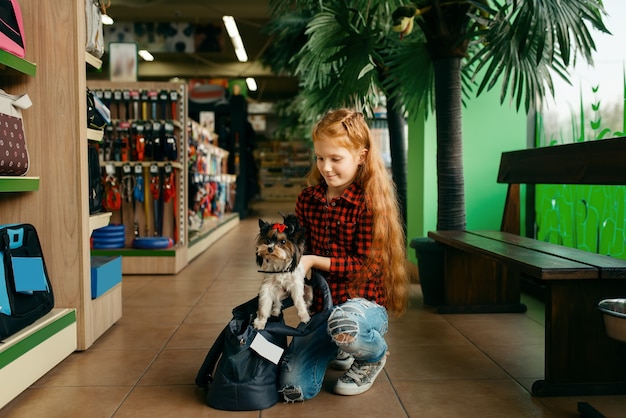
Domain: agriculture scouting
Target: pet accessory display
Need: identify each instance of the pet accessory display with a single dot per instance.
(112, 200)
(12, 28)
(25, 289)
(238, 378)
(14, 158)
(109, 237)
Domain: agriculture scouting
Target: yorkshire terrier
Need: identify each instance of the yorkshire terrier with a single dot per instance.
(279, 248)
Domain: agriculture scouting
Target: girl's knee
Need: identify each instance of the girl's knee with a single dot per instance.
(343, 327)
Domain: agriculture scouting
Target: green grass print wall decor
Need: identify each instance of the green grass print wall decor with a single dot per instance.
(590, 218)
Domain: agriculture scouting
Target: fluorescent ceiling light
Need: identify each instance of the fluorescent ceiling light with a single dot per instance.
(235, 38)
(143, 53)
(106, 19)
(251, 83)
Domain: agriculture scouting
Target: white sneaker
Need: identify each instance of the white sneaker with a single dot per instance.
(360, 377)
(342, 362)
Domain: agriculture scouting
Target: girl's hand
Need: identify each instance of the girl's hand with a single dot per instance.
(307, 263)
(315, 261)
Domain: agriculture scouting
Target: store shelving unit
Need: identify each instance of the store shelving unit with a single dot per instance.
(50, 197)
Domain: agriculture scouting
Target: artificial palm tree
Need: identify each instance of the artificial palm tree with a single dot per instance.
(338, 50)
(515, 44)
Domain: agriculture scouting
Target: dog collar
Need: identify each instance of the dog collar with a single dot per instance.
(273, 272)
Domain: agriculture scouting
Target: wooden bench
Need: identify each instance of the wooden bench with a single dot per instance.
(483, 270)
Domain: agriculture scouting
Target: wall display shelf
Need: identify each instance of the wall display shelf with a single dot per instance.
(213, 230)
(99, 220)
(9, 63)
(19, 184)
(95, 134)
(56, 129)
(153, 107)
(33, 351)
(58, 174)
(93, 61)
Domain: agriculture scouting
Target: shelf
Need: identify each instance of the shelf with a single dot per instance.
(93, 61)
(174, 164)
(10, 61)
(95, 134)
(19, 184)
(33, 351)
(213, 229)
(140, 261)
(98, 220)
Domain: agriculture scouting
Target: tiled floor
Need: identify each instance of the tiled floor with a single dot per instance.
(439, 365)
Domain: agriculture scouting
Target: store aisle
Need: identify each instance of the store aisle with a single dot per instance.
(439, 365)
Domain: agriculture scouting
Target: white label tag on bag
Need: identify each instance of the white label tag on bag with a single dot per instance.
(266, 349)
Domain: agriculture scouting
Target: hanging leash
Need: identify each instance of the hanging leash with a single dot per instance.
(156, 191)
(169, 193)
(138, 196)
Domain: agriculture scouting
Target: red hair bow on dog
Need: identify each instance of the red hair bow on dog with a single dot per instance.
(279, 227)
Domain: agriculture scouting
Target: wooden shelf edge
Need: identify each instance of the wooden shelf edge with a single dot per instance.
(211, 234)
(99, 220)
(22, 341)
(95, 134)
(93, 61)
(18, 64)
(19, 184)
(29, 354)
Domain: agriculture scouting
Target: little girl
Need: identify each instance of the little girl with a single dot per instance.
(356, 240)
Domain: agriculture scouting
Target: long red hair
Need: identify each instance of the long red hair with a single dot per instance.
(388, 251)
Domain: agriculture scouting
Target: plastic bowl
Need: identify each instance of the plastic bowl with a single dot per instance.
(614, 312)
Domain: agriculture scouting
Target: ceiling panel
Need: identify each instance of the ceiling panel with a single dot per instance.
(250, 16)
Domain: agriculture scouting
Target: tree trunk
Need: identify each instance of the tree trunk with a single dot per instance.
(397, 144)
(450, 182)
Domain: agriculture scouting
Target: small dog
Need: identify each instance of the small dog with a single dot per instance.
(279, 248)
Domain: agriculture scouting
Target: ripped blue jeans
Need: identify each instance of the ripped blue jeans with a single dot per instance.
(356, 327)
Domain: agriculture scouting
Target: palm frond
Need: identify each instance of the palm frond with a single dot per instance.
(529, 41)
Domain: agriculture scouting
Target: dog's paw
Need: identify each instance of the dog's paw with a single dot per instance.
(305, 317)
(259, 323)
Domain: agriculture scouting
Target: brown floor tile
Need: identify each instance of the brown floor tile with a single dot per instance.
(175, 367)
(175, 401)
(490, 398)
(459, 361)
(133, 336)
(66, 402)
(99, 368)
(195, 336)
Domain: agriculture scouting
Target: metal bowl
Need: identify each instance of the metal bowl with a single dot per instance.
(614, 312)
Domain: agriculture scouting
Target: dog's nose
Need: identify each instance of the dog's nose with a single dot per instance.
(270, 249)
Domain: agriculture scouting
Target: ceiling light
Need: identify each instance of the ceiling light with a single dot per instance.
(235, 38)
(147, 56)
(251, 83)
(106, 19)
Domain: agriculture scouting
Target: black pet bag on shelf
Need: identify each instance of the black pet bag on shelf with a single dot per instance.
(243, 380)
(25, 289)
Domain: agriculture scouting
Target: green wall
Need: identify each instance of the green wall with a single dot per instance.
(488, 129)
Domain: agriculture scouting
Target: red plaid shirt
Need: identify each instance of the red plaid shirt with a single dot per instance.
(342, 231)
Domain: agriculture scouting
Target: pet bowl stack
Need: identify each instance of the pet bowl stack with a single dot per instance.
(614, 311)
(109, 237)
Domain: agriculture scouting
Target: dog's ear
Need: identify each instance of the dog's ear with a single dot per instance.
(263, 226)
(299, 236)
(292, 223)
